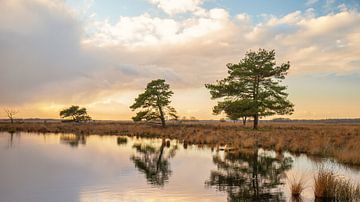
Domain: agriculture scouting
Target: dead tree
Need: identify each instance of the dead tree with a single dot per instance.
(11, 113)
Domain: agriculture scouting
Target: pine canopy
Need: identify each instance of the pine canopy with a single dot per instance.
(254, 85)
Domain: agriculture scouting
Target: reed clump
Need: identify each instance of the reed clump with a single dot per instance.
(297, 186)
(330, 187)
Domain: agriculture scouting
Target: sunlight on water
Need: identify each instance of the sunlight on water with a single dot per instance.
(68, 167)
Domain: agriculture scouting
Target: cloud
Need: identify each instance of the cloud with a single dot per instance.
(40, 43)
(48, 55)
(173, 7)
(311, 2)
(146, 30)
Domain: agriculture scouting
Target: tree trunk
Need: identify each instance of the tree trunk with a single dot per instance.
(255, 96)
(11, 120)
(162, 118)
(244, 120)
(256, 121)
(163, 122)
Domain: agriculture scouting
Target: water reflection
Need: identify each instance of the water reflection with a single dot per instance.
(249, 175)
(11, 141)
(122, 140)
(73, 140)
(154, 161)
(43, 167)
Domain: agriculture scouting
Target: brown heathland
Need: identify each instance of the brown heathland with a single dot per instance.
(340, 141)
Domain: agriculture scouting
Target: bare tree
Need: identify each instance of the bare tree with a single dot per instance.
(11, 113)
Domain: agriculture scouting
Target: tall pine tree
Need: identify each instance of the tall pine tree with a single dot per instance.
(254, 83)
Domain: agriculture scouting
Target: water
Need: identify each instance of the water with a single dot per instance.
(99, 168)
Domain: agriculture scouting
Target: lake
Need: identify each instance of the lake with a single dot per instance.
(67, 167)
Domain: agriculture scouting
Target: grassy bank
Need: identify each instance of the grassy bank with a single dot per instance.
(339, 141)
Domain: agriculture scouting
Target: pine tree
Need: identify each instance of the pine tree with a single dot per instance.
(255, 84)
(155, 102)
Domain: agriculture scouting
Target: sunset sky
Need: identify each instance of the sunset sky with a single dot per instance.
(101, 53)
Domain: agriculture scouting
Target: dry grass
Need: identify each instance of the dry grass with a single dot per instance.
(297, 186)
(331, 140)
(330, 187)
(325, 185)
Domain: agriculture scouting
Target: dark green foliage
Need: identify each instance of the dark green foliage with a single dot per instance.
(253, 87)
(76, 114)
(154, 103)
(234, 110)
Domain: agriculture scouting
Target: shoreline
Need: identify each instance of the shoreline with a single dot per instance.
(337, 141)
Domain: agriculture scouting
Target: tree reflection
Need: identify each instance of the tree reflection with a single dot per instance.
(73, 140)
(154, 161)
(248, 175)
(11, 140)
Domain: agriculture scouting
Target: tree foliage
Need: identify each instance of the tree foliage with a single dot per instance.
(253, 87)
(154, 103)
(76, 114)
(234, 110)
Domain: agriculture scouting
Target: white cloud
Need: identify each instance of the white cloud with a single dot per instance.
(173, 7)
(311, 2)
(48, 56)
(243, 17)
(145, 30)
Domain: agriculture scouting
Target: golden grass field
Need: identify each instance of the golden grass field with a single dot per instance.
(338, 141)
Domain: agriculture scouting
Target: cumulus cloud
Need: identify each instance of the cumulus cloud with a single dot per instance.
(173, 7)
(311, 2)
(47, 55)
(146, 30)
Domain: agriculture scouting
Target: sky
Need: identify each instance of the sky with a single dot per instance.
(100, 54)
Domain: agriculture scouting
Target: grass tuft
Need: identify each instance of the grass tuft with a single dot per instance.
(297, 185)
(330, 187)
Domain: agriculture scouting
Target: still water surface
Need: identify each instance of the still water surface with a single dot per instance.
(54, 167)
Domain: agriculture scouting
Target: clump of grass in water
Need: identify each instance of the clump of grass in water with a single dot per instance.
(330, 187)
(121, 140)
(296, 185)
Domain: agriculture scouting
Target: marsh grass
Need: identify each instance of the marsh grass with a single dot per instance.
(339, 141)
(296, 185)
(331, 187)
